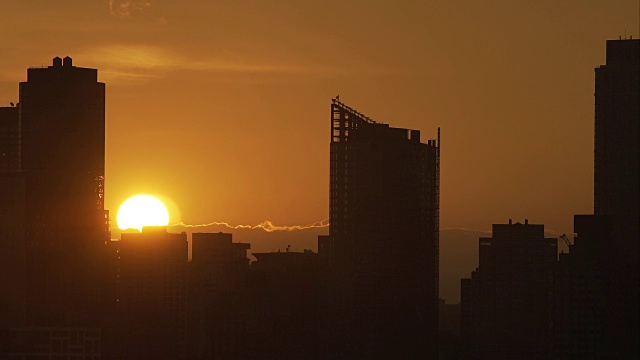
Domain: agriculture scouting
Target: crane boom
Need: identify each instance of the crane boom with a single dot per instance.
(566, 240)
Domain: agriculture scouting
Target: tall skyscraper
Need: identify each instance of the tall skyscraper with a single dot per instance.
(12, 253)
(506, 305)
(617, 186)
(62, 116)
(617, 150)
(62, 146)
(597, 286)
(383, 236)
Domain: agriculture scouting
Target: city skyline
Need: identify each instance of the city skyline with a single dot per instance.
(418, 65)
(371, 289)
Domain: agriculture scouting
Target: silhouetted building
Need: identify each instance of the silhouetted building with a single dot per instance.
(449, 318)
(9, 139)
(51, 343)
(12, 254)
(450, 344)
(12, 192)
(617, 184)
(597, 291)
(218, 304)
(383, 238)
(12, 250)
(507, 303)
(62, 140)
(583, 312)
(284, 295)
(324, 241)
(617, 147)
(62, 115)
(152, 294)
(466, 307)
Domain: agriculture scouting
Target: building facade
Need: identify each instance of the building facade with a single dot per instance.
(61, 147)
(507, 303)
(582, 312)
(382, 250)
(617, 147)
(151, 295)
(9, 139)
(62, 117)
(218, 302)
(597, 286)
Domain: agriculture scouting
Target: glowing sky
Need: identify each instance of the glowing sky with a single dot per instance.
(223, 106)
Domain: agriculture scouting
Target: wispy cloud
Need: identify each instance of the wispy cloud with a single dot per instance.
(266, 225)
(124, 77)
(143, 61)
(122, 8)
(137, 57)
(128, 8)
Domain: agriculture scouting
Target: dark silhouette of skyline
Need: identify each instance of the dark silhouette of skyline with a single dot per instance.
(584, 306)
(371, 291)
(598, 280)
(616, 177)
(507, 303)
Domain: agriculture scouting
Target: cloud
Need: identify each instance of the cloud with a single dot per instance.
(123, 9)
(266, 225)
(129, 57)
(144, 61)
(123, 77)
(127, 8)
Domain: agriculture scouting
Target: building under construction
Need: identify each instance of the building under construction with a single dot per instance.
(382, 251)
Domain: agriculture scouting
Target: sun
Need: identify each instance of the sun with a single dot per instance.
(142, 210)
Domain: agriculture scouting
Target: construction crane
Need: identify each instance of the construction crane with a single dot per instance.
(566, 240)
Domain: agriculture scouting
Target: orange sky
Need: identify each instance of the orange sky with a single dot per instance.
(223, 106)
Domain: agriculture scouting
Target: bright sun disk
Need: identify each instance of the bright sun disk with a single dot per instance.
(142, 210)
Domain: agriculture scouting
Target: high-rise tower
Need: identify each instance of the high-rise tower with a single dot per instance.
(597, 283)
(62, 118)
(11, 220)
(383, 235)
(62, 138)
(616, 190)
(617, 151)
